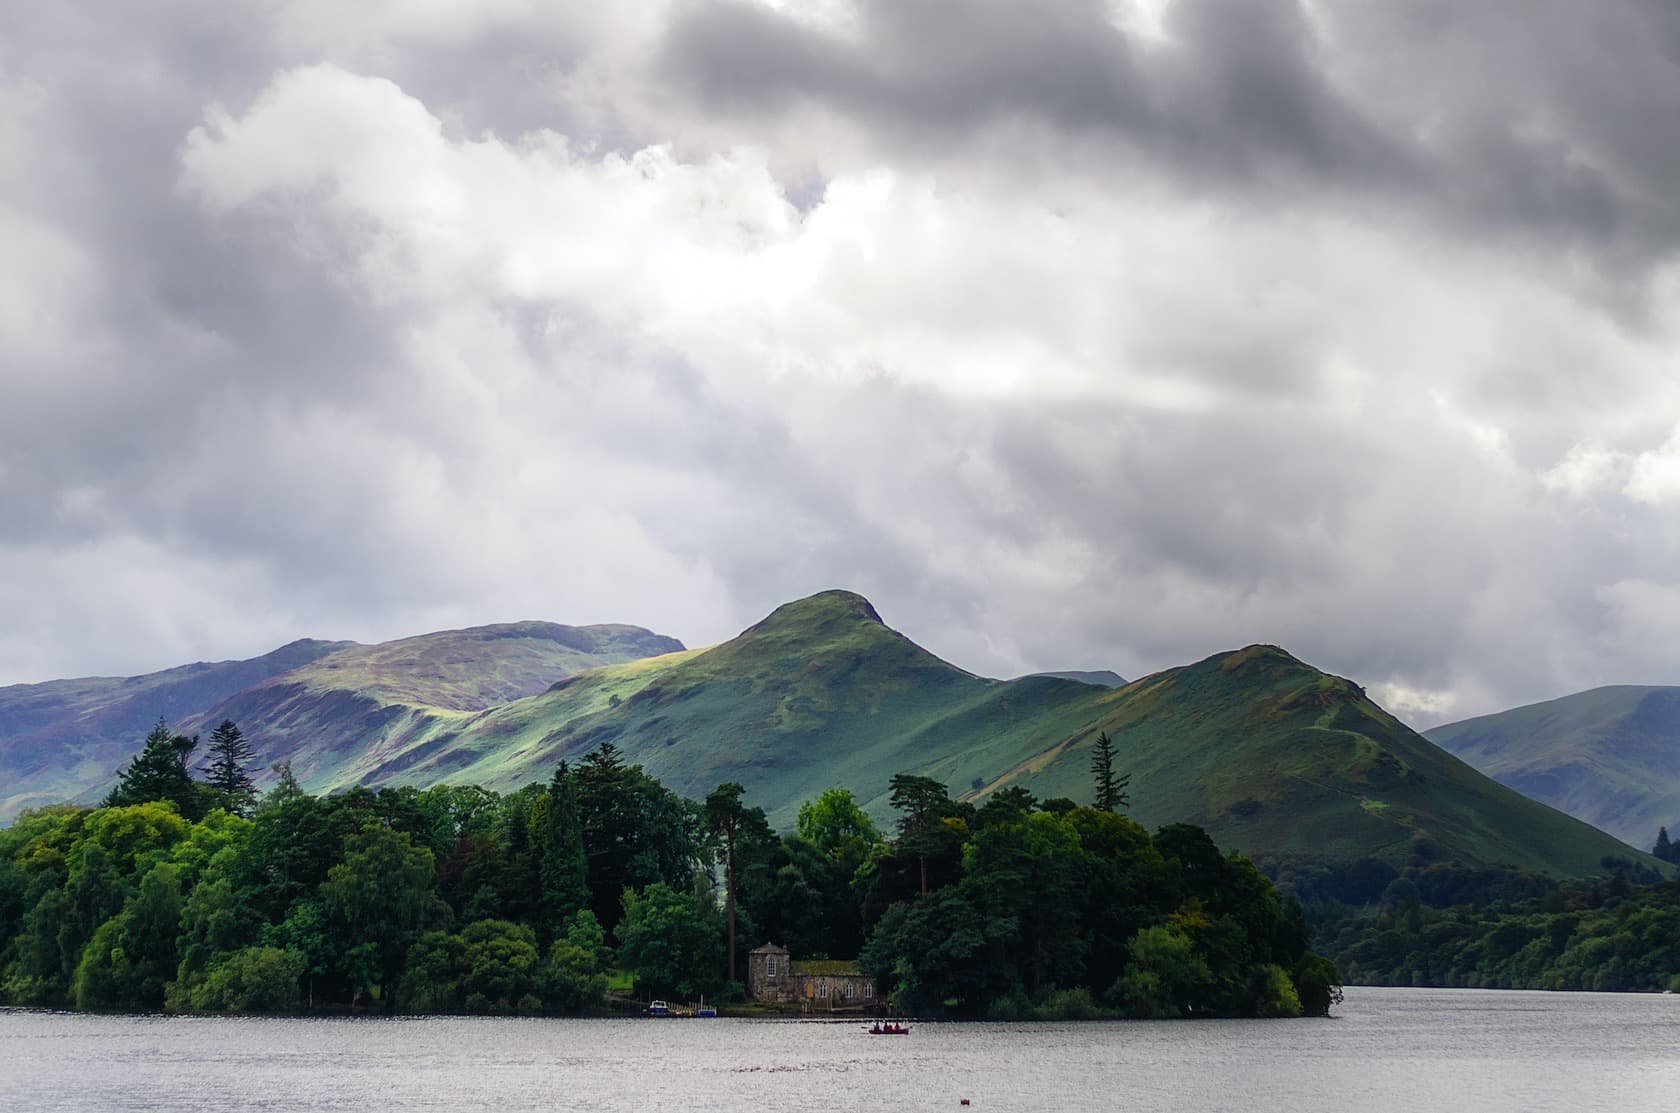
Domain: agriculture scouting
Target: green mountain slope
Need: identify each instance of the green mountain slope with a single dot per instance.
(66, 738)
(1269, 754)
(1610, 756)
(1276, 758)
(818, 694)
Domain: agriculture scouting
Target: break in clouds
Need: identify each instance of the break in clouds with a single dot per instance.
(1074, 334)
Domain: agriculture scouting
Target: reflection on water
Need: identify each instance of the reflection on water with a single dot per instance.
(1387, 1049)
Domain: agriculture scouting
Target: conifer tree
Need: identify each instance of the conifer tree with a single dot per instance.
(1111, 788)
(563, 869)
(229, 754)
(1665, 850)
(159, 772)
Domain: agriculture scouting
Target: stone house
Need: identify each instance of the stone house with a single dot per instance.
(773, 975)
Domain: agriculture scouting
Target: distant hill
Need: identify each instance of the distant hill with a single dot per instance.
(65, 740)
(1610, 756)
(1270, 755)
(1101, 678)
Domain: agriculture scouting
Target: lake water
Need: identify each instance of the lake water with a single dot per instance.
(1405, 1050)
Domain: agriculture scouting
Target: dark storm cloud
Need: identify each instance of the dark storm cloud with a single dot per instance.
(1243, 93)
(1556, 124)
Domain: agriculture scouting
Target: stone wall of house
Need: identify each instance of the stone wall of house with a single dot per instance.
(770, 975)
(773, 976)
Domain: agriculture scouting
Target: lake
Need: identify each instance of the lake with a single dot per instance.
(1405, 1050)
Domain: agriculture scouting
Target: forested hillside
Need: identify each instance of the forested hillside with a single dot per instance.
(457, 898)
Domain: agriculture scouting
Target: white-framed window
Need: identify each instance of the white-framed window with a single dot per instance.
(822, 989)
(851, 989)
(769, 966)
(869, 989)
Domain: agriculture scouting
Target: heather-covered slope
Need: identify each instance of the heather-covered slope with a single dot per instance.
(349, 717)
(330, 706)
(66, 738)
(1610, 756)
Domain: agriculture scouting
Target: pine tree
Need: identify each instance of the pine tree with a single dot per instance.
(1665, 850)
(229, 754)
(563, 869)
(1111, 789)
(159, 772)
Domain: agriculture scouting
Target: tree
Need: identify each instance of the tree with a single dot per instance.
(563, 874)
(732, 827)
(635, 831)
(1111, 787)
(669, 940)
(229, 754)
(375, 902)
(835, 824)
(923, 802)
(159, 772)
(1665, 850)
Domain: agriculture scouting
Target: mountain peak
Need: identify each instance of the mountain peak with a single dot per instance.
(825, 607)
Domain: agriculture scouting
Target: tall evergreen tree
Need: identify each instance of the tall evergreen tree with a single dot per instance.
(229, 754)
(563, 874)
(159, 772)
(732, 828)
(1665, 850)
(1111, 787)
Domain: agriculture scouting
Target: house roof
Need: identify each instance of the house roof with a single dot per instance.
(835, 966)
(769, 949)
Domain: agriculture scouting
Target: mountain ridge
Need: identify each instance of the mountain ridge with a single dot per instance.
(1270, 755)
(1608, 755)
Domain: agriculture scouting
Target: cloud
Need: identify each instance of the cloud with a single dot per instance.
(1072, 337)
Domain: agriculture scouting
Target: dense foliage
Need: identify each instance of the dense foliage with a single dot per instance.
(459, 899)
(1611, 934)
(1073, 911)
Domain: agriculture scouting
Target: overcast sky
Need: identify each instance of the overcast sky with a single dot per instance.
(1074, 334)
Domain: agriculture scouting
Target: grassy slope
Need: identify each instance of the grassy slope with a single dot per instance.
(1610, 756)
(1270, 755)
(65, 739)
(1275, 757)
(349, 717)
(820, 693)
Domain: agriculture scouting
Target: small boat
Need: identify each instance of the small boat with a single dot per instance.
(888, 1028)
(703, 1009)
(657, 1007)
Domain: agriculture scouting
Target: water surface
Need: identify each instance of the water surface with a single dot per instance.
(1386, 1049)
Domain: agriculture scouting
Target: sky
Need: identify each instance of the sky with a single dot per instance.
(1074, 334)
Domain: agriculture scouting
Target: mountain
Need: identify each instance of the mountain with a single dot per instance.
(1102, 678)
(1277, 758)
(1270, 755)
(1610, 756)
(66, 739)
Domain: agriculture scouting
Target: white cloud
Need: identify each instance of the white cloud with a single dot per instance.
(1654, 476)
(469, 313)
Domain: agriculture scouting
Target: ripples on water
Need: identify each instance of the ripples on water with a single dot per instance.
(1395, 1049)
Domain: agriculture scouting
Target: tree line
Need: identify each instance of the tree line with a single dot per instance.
(199, 895)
